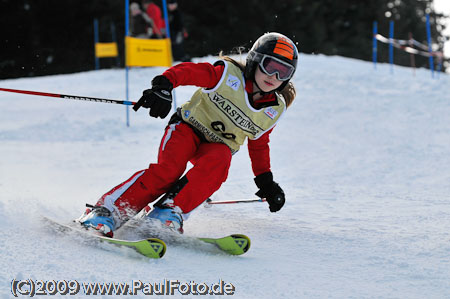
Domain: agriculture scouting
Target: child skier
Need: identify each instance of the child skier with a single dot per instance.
(235, 102)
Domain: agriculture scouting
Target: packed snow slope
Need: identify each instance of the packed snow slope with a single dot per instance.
(362, 155)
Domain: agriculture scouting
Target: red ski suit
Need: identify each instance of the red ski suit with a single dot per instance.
(180, 145)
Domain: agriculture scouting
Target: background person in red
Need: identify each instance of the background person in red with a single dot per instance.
(235, 103)
(154, 12)
(141, 25)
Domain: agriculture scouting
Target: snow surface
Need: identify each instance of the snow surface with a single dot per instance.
(363, 157)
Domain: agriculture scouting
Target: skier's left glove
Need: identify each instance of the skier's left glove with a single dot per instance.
(158, 99)
(270, 190)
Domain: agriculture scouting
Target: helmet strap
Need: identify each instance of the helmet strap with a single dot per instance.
(262, 93)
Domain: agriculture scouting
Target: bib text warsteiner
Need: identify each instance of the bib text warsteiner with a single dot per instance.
(236, 116)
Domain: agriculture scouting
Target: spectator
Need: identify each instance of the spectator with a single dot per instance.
(140, 23)
(154, 12)
(177, 32)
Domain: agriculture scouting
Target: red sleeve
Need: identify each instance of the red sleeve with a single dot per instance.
(259, 152)
(199, 74)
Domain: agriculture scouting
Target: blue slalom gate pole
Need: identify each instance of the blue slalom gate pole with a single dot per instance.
(166, 19)
(127, 12)
(391, 47)
(97, 60)
(430, 50)
(374, 44)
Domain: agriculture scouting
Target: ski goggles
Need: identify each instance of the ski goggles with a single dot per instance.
(271, 66)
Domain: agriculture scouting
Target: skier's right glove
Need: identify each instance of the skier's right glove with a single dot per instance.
(270, 190)
(158, 99)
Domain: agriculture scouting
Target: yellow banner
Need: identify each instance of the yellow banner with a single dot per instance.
(148, 52)
(106, 50)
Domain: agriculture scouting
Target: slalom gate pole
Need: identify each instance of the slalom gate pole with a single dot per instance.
(127, 33)
(430, 50)
(374, 45)
(166, 19)
(391, 45)
(209, 202)
(97, 60)
(69, 97)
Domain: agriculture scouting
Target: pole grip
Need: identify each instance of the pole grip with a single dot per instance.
(137, 105)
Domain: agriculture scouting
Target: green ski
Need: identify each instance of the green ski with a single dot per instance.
(151, 247)
(233, 244)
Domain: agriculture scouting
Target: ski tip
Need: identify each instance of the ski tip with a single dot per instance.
(158, 247)
(235, 244)
(243, 243)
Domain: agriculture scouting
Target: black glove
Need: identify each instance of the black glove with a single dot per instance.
(158, 99)
(270, 190)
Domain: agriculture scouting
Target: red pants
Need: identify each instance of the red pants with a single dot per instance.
(179, 146)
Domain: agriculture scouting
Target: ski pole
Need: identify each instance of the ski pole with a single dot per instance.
(70, 97)
(209, 202)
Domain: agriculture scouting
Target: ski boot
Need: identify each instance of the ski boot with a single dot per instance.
(166, 211)
(98, 218)
(168, 214)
